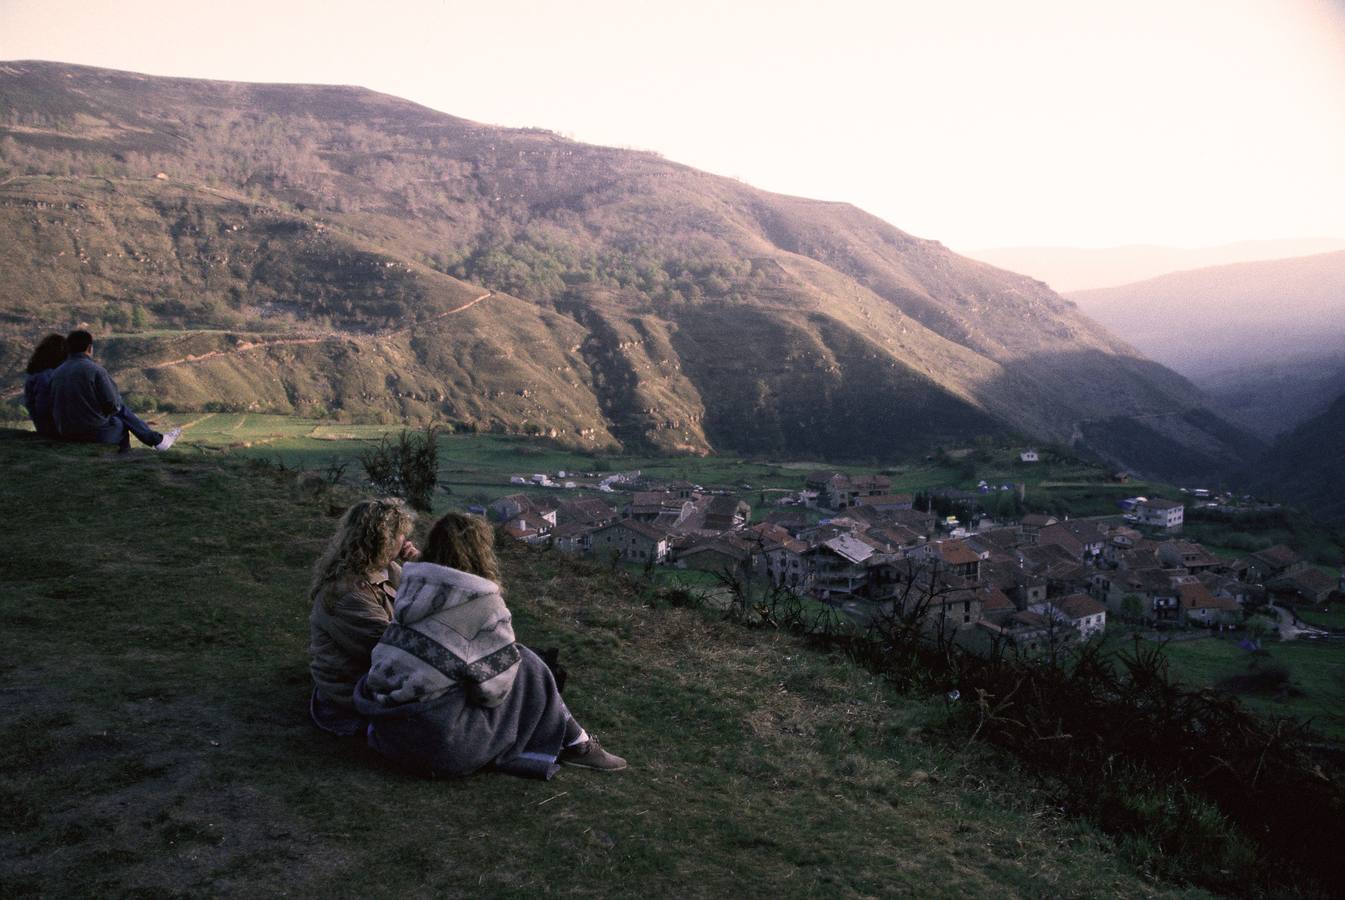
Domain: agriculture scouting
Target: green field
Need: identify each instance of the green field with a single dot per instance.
(1316, 668)
(474, 468)
(1332, 617)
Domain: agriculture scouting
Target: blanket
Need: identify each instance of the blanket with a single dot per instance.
(450, 692)
(450, 735)
(448, 628)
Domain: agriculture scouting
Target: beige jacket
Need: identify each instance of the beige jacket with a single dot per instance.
(342, 638)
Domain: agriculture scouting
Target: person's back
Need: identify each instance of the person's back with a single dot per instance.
(345, 623)
(85, 404)
(37, 400)
(49, 354)
(83, 398)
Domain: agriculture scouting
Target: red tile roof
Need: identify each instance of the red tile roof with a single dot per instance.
(1079, 606)
(1278, 555)
(653, 532)
(956, 553)
(1194, 595)
(994, 600)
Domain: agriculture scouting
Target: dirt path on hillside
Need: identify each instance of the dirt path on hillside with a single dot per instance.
(435, 318)
(242, 347)
(246, 346)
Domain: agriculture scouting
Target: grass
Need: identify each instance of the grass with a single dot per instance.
(475, 467)
(1317, 674)
(156, 682)
(1331, 617)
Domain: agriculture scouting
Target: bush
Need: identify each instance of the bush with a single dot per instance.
(407, 466)
(1260, 678)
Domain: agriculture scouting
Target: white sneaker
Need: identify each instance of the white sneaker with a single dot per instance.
(168, 439)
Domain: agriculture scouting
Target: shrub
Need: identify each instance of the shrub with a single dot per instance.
(1260, 678)
(407, 466)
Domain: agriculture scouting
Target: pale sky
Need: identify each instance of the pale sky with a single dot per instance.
(979, 123)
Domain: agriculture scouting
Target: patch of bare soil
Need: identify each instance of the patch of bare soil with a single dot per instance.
(143, 789)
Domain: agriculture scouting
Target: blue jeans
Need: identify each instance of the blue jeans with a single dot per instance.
(335, 719)
(121, 426)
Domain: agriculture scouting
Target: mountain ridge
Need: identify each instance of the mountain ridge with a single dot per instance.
(638, 287)
(1263, 339)
(1072, 269)
(1305, 466)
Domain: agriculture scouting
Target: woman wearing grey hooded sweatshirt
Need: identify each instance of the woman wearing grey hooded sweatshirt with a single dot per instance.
(449, 691)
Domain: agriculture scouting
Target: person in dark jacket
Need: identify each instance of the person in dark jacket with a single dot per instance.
(85, 404)
(49, 354)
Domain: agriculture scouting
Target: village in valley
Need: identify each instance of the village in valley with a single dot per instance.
(849, 542)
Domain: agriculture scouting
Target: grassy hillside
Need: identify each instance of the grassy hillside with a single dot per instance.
(1273, 398)
(667, 309)
(155, 672)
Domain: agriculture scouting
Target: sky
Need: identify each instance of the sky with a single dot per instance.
(979, 123)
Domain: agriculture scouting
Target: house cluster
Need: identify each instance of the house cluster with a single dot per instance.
(871, 554)
(657, 525)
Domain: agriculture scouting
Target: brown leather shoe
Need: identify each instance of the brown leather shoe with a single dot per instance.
(590, 755)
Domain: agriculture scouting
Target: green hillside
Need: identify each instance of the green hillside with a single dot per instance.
(1306, 466)
(635, 300)
(155, 674)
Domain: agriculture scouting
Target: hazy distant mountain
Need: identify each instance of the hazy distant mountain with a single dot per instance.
(1271, 398)
(1267, 339)
(333, 250)
(1068, 269)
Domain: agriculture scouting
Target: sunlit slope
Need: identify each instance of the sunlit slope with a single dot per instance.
(657, 305)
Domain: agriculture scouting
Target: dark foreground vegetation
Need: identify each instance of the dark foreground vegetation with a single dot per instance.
(1192, 781)
(155, 681)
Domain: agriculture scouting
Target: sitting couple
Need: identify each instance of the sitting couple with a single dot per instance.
(420, 660)
(72, 398)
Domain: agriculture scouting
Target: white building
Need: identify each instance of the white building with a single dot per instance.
(1160, 513)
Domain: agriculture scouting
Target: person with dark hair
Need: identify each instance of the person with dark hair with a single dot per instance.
(449, 691)
(87, 407)
(352, 590)
(49, 354)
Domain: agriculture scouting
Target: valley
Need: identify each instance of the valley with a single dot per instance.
(885, 567)
(1264, 339)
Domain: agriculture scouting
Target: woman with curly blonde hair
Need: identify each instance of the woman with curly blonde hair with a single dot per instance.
(449, 691)
(353, 587)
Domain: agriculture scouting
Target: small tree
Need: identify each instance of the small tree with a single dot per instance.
(407, 466)
(1259, 627)
(1132, 608)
